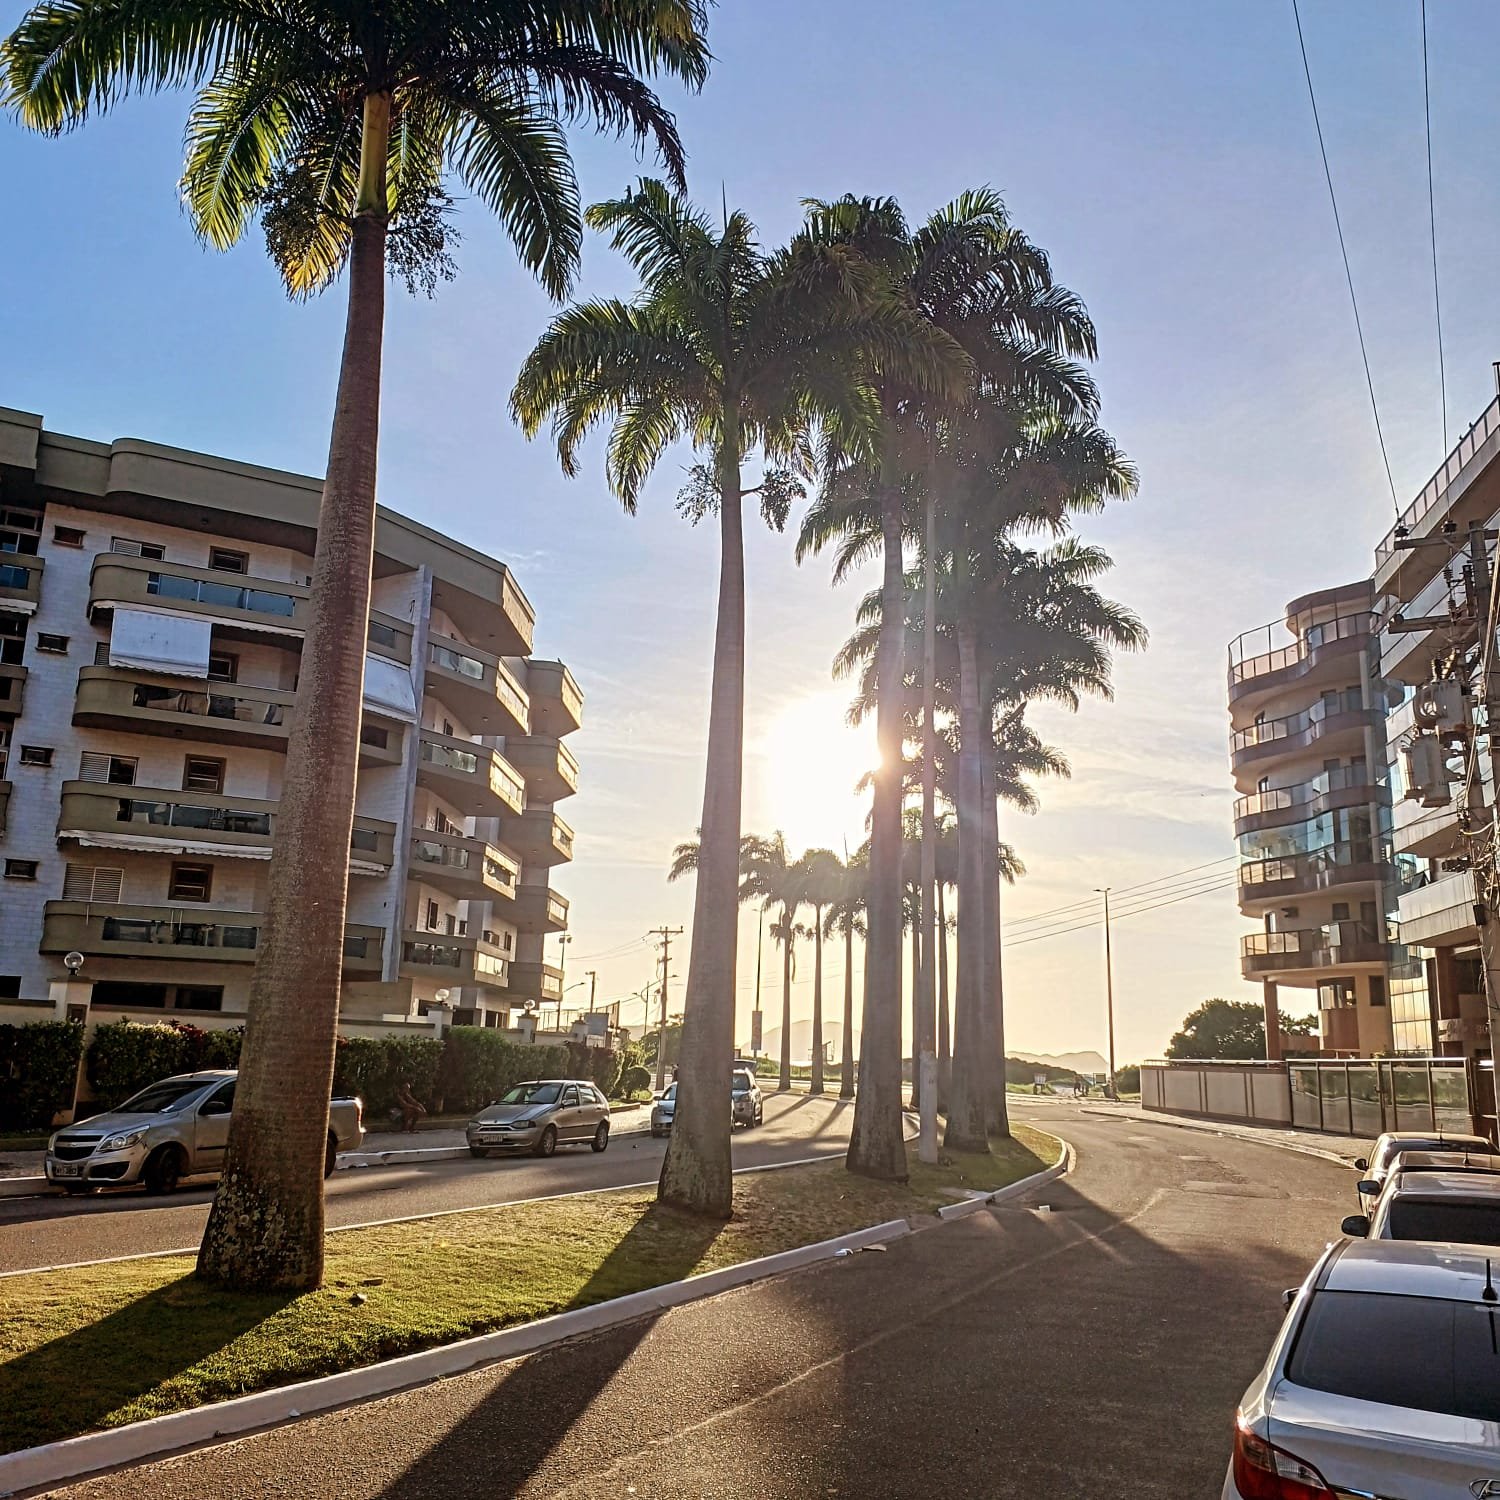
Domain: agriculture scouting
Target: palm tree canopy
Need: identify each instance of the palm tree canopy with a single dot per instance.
(721, 332)
(479, 90)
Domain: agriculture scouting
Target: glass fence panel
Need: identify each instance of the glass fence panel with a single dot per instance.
(1306, 1111)
(1365, 1117)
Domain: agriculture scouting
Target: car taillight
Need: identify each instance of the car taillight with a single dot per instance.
(1262, 1471)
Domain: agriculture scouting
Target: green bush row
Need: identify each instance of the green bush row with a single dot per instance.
(38, 1065)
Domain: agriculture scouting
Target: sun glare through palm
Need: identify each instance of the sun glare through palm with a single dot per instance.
(811, 761)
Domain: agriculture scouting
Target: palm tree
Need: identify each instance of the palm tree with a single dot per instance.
(736, 351)
(822, 874)
(777, 879)
(845, 915)
(336, 125)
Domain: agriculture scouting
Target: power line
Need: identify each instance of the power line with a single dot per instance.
(1141, 886)
(1437, 301)
(1120, 916)
(1344, 251)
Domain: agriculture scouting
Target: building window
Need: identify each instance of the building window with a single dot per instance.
(36, 755)
(10, 986)
(226, 560)
(12, 639)
(119, 770)
(202, 773)
(57, 644)
(103, 883)
(1377, 989)
(223, 666)
(20, 869)
(124, 994)
(381, 635)
(432, 916)
(127, 546)
(199, 997)
(190, 883)
(67, 536)
(374, 736)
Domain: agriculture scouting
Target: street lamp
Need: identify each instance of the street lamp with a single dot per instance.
(1109, 995)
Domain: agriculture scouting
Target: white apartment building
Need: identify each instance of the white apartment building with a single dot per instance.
(151, 620)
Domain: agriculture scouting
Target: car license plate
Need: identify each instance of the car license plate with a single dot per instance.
(67, 1169)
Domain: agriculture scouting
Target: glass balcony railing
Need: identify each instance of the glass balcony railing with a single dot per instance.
(1284, 798)
(188, 815)
(1269, 730)
(1330, 937)
(1315, 864)
(1244, 666)
(221, 595)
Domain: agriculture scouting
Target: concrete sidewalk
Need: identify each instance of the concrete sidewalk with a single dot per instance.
(1336, 1148)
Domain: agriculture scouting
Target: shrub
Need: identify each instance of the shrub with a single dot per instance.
(372, 1067)
(636, 1080)
(38, 1066)
(124, 1057)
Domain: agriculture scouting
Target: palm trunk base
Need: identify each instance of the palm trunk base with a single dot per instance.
(256, 1243)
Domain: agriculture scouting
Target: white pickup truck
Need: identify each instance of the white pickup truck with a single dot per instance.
(176, 1128)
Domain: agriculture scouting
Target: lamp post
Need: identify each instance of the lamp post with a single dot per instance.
(1109, 995)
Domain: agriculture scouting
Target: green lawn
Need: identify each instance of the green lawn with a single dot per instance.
(99, 1346)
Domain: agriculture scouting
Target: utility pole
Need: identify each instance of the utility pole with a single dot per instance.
(562, 971)
(666, 934)
(755, 1024)
(1109, 995)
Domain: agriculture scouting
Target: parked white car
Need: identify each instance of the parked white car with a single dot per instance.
(1462, 1205)
(1384, 1381)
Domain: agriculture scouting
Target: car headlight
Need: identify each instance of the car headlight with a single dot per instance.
(120, 1142)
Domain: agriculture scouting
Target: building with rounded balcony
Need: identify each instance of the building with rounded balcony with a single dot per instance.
(1312, 817)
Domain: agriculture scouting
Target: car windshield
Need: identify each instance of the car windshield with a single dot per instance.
(741, 1084)
(1468, 1223)
(670, 1097)
(1392, 1149)
(162, 1098)
(1450, 1352)
(532, 1093)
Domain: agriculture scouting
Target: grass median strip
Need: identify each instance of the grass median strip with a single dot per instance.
(98, 1346)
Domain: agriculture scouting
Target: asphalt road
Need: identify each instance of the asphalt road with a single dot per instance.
(57, 1230)
(1097, 1349)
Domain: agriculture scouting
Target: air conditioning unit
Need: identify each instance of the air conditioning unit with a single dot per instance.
(1427, 774)
(1440, 705)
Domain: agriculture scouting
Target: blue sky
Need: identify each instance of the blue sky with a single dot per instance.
(1163, 152)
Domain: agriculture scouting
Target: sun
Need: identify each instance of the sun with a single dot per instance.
(810, 763)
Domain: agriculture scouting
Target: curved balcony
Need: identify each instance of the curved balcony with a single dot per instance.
(466, 868)
(1325, 869)
(1309, 799)
(550, 768)
(452, 958)
(477, 685)
(540, 910)
(1334, 945)
(556, 699)
(476, 780)
(1323, 650)
(1333, 726)
(21, 581)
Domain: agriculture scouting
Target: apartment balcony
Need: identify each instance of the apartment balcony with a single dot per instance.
(477, 686)
(21, 581)
(109, 816)
(540, 837)
(1335, 728)
(1324, 654)
(467, 869)
(476, 780)
(1408, 655)
(480, 597)
(1440, 913)
(1327, 793)
(540, 910)
(1466, 488)
(12, 687)
(1426, 832)
(174, 933)
(257, 605)
(1312, 949)
(535, 982)
(452, 959)
(549, 767)
(1327, 869)
(556, 700)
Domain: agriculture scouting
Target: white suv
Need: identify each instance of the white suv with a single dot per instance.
(1384, 1380)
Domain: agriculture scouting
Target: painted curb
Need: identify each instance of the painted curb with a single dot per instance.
(157, 1437)
(21, 1187)
(1205, 1127)
(1011, 1190)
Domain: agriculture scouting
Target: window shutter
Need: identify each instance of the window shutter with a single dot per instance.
(93, 765)
(92, 883)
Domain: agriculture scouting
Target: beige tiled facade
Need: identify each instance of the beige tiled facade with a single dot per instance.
(139, 795)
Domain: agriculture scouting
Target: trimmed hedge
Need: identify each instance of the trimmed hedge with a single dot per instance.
(38, 1066)
(124, 1057)
(372, 1067)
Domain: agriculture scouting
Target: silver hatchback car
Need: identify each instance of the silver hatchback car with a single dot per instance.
(539, 1117)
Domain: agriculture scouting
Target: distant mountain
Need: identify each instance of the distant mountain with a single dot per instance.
(1074, 1062)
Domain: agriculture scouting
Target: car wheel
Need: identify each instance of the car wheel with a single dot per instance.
(656, 1134)
(547, 1143)
(330, 1155)
(601, 1136)
(478, 1151)
(163, 1170)
(760, 1115)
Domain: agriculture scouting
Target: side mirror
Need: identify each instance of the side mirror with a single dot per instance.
(1362, 1165)
(214, 1107)
(1368, 1186)
(1288, 1297)
(1356, 1226)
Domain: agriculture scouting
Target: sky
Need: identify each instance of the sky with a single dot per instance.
(1164, 154)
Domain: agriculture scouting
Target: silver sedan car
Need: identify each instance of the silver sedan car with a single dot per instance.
(539, 1117)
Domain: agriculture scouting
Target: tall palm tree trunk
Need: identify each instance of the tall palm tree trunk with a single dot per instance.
(876, 1148)
(846, 1081)
(697, 1173)
(998, 1106)
(916, 1008)
(966, 1103)
(816, 1086)
(944, 1058)
(922, 1034)
(262, 1236)
(785, 1081)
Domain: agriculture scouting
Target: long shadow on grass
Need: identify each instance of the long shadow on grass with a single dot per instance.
(508, 1436)
(73, 1384)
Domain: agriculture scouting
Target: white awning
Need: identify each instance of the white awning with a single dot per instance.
(176, 644)
(388, 688)
(144, 843)
(18, 606)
